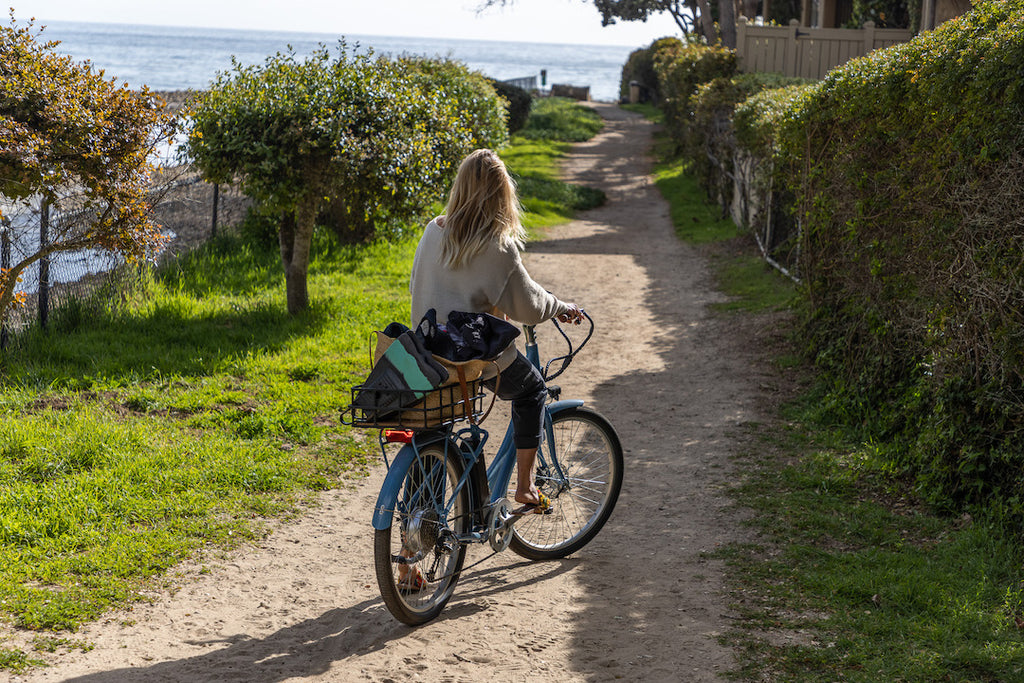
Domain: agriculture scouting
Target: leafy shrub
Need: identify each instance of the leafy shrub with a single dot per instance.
(70, 136)
(885, 13)
(519, 103)
(379, 139)
(758, 119)
(639, 67)
(680, 70)
(908, 168)
(711, 144)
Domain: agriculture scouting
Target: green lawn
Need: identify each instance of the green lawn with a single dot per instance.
(183, 419)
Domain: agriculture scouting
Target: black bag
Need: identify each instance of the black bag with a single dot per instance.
(466, 336)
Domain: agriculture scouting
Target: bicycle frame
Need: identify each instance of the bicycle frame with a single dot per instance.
(499, 472)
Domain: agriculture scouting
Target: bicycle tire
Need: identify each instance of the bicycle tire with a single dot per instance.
(419, 524)
(590, 455)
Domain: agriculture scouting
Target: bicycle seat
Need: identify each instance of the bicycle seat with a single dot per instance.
(554, 391)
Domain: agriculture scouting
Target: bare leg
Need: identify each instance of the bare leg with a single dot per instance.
(526, 492)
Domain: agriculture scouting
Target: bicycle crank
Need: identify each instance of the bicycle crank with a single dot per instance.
(499, 525)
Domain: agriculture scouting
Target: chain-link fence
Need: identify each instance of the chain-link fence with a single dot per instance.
(189, 210)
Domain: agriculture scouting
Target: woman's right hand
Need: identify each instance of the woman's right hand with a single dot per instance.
(572, 315)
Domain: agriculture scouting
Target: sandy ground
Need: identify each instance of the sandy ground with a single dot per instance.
(642, 602)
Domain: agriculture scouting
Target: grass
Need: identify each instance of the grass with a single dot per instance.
(862, 585)
(751, 283)
(177, 424)
(851, 578)
(554, 124)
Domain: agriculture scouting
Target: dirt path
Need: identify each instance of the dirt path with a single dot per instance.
(640, 603)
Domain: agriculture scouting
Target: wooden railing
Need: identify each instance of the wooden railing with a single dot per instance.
(526, 82)
(796, 50)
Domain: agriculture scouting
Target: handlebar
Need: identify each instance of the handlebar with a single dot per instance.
(567, 358)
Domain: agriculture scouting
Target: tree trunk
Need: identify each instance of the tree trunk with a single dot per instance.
(727, 20)
(707, 22)
(295, 236)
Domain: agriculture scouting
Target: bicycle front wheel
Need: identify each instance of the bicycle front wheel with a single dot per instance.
(580, 470)
(418, 558)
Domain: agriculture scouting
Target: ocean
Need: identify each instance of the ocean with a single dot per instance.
(173, 58)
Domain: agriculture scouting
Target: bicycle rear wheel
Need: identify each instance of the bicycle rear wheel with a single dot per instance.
(583, 487)
(423, 538)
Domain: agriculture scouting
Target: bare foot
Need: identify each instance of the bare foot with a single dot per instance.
(530, 497)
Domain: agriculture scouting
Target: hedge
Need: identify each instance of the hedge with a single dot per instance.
(639, 68)
(680, 70)
(519, 103)
(909, 171)
(905, 169)
(711, 143)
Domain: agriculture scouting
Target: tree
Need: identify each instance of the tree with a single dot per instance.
(78, 142)
(686, 14)
(373, 140)
(683, 12)
(689, 15)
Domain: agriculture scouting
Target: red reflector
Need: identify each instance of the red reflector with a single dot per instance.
(398, 435)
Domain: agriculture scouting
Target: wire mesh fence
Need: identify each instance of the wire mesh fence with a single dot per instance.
(188, 210)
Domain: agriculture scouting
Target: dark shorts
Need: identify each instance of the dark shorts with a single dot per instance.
(522, 384)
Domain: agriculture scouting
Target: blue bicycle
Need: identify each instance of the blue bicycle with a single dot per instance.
(439, 496)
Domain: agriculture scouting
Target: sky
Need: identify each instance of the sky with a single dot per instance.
(543, 21)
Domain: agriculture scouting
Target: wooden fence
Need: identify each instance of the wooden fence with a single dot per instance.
(804, 52)
(527, 83)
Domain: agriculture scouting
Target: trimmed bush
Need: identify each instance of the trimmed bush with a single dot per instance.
(519, 103)
(639, 67)
(680, 70)
(758, 119)
(711, 144)
(371, 141)
(909, 171)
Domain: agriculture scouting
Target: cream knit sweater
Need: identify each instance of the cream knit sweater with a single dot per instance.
(494, 282)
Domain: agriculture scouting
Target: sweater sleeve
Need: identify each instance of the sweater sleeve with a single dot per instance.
(525, 301)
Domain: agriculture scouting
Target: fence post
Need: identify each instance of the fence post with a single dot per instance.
(216, 201)
(5, 264)
(44, 263)
(741, 39)
(869, 37)
(791, 48)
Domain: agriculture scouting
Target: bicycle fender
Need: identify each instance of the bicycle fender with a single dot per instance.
(388, 496)
(559, 406)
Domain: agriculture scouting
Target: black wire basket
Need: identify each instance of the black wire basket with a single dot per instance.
(394, 408)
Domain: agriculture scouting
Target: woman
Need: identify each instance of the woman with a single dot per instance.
(468, 260)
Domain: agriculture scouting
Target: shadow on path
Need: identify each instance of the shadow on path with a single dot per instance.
(311, 647)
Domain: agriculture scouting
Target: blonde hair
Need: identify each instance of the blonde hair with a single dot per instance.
(483, 207)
